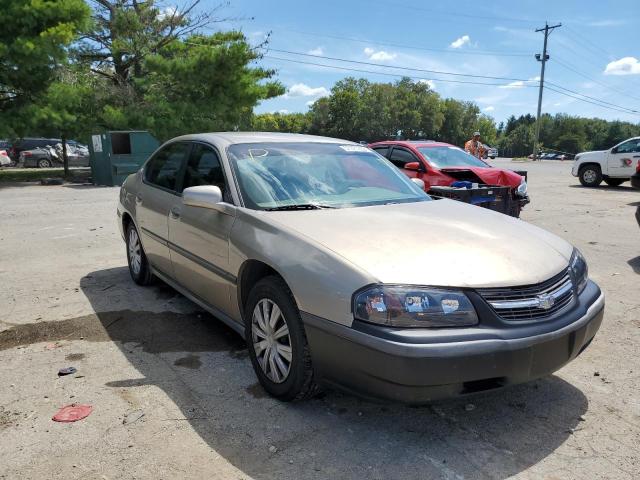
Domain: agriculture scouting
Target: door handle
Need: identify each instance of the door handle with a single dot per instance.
(174, 212)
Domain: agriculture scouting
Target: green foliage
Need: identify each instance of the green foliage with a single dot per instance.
(34, 35)
(563, 133)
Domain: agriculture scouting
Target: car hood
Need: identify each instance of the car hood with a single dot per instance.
(592, 153)
(490, 175)
(439, 242)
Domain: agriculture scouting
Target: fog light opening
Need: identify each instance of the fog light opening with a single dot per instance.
(483, 385)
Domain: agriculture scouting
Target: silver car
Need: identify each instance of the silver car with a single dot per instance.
(339, 270)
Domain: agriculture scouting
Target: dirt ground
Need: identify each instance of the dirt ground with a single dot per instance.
(66, 299)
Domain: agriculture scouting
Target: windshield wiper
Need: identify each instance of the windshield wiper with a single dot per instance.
(299, 206)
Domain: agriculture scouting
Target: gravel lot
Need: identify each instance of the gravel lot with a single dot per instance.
(67, 300)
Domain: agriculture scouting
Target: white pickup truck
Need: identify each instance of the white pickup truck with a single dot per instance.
(615, 166)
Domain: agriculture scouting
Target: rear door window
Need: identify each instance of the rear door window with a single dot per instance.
(163, 170)
(384, 151)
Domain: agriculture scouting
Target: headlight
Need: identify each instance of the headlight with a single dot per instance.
(577, 157)
(408, 306)
(522, 189)
(579, 270)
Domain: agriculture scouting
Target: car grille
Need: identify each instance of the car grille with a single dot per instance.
(531, 302)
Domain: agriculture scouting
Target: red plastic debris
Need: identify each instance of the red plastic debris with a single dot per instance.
(72, 413)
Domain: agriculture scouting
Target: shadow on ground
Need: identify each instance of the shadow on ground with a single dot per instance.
(634, 263)
(203, 367)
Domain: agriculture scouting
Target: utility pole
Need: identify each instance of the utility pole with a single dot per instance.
(547, 30)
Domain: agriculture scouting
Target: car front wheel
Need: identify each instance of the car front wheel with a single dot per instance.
(277, 342)
(136, 258)
(44, 163)
(590, 176)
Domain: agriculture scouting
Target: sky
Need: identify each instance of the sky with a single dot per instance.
(594, 56)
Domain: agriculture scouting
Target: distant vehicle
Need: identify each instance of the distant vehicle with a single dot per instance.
(615, 166)
(5, 160)
(492, 152)
(441, 164)
(29, 143)
(51, 156)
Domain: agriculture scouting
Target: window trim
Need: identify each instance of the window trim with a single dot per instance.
(180, 174)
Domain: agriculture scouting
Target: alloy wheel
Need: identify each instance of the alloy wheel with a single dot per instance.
(589, 176)
(135, 251)
(271, 340)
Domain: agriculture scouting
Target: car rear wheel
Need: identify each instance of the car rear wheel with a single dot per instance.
(590, 175)
(277, 342)
(136, 258)
(44, 163)
(614, 182)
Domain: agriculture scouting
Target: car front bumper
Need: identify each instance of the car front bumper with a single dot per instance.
(416, 366)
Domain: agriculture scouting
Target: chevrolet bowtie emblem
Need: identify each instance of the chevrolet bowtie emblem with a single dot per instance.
(545, 301)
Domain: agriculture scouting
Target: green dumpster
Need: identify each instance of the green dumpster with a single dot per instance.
(116, 155)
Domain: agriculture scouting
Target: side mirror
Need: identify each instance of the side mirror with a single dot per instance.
(614, 150)
(414, 166)
(203, 196)
(418, 182)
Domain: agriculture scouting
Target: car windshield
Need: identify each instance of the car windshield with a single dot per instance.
(279, 175)
(443, 157)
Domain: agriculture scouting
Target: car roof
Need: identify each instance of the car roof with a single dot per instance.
(414, 143)
(224, 139)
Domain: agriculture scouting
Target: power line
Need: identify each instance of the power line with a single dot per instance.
(630, 110)
(568, 66)
(587, 101)
(438, 72)
(594, 47)
(396, 75)
(412, 47)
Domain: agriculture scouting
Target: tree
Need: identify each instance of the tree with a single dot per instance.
(34, 36)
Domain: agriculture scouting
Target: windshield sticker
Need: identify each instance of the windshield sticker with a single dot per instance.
(354, 148)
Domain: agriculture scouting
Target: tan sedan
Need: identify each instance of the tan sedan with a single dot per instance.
(337, 269)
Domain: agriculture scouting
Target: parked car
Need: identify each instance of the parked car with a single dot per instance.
(441, 164)
(5, 161)
(51, 156)
(29, 143)
(492, 152)
(615, 166)
(338, 269)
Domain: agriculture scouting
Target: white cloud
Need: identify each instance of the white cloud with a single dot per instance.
(380, 55)
(463, 40)
(521, 83)
(316, 51)
(431, 83)
(310, 102)
(624, 66)
(168, 12)
(283, 111)
(490, 108)
(304, 90)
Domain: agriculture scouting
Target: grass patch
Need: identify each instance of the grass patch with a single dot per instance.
(37, 174)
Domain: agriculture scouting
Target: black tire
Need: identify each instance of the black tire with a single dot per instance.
(590, 175)
(614, 182)
(299, 383)
(44, 163)
(142, 275)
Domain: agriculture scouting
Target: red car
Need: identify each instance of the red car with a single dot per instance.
(441, 164)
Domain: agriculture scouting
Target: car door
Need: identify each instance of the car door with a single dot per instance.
(157, 196)
(623, 158)
(200, 236)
